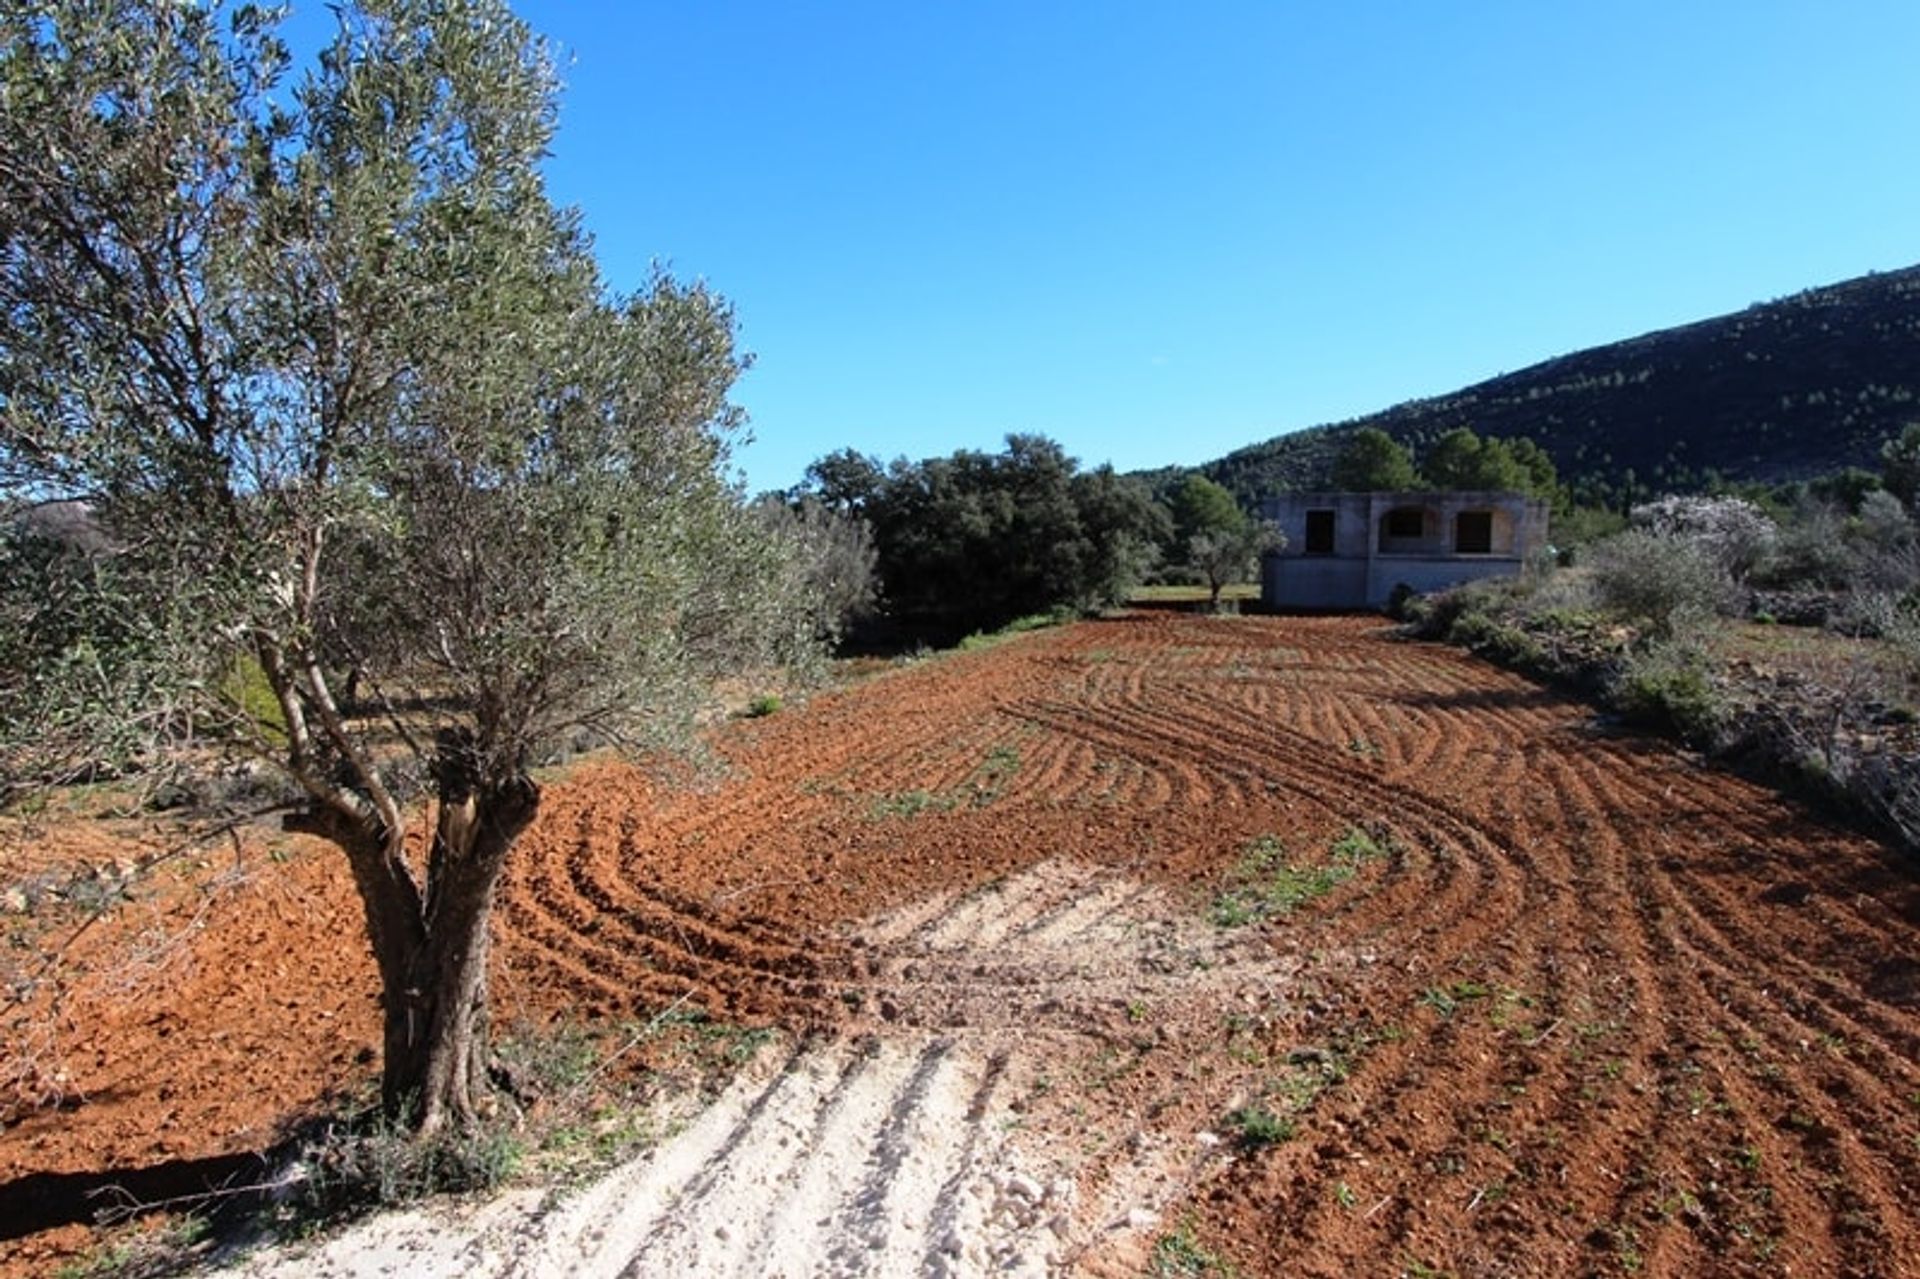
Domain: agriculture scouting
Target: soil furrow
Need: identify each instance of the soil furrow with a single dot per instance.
(1072, 978)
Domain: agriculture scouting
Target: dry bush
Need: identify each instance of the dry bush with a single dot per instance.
(1664, 583)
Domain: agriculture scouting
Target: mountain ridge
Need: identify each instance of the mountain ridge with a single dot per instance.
(1789, 389)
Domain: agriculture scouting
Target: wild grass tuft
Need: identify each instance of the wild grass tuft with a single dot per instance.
(1180, 1255)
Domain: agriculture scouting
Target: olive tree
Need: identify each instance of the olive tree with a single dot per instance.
(1217, 540)
(354, 407)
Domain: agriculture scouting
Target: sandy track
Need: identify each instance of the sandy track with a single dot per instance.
(1593, 1008)
(917, 1146)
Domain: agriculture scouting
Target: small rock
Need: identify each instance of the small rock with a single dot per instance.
(1142, 1219)
(14, 901)
(1021, 1186)
(1207, 1139)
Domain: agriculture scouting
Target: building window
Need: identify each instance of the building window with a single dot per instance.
(1473, 532)
(1319, 533)
(1406, 522)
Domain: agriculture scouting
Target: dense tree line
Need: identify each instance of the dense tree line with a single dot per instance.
(974, 540)
(1373, 461)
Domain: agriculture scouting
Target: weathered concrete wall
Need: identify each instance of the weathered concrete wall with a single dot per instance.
(1367, 561)
(1306, 581)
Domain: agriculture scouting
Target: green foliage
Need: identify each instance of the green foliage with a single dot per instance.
(1180, 1255)
(1255, 1127)
(140, 1251)
(1471, 606)
(1201, 506)
(1462, 460)
(968, 542)
(1446, 1000)
(1018, 626)
(1227, 556)
(1665, 584)
(253, 699)
(1883, 542)
(1373, 461)
(1542, 477)
(1576, 527)
(909, 804)
(1669, 686)
(1214, 538)
(763, 705)
(1845, 488)
(1361, 845)
(1492, 637)
(832, 553)
(1900, 466)
(348, 393)
(372, 1161)
(1264, 883)
(87, 673)
(1810, 551)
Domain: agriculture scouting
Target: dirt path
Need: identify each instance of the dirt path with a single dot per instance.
(918, 1146)
(1274, 941)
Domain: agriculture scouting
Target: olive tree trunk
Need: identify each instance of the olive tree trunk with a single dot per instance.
(431, 949)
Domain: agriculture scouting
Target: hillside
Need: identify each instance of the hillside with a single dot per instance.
(1782, 390)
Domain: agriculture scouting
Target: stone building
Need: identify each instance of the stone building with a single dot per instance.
(1350, 550)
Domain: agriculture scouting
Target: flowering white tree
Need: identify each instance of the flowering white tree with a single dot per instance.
(1731, 531)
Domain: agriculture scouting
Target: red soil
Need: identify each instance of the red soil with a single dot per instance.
(1599, 1009)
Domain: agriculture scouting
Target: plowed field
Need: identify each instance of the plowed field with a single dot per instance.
(1152, 941)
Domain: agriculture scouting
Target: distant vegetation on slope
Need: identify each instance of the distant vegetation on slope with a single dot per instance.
(1791, 389)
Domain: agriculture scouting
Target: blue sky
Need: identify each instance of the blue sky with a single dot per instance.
(1159, 231)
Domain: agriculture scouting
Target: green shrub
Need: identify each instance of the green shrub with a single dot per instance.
(763, 705)
(1577, 529)
(1670, 686)
(1666, 584)
(1810, 553)
(1256, 1127)
(1180, 1255)
(1435, 616)
(373, 1162)
(1493, 636)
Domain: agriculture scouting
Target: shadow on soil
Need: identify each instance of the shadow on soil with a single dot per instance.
(1484, 699)
(43, 1200)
